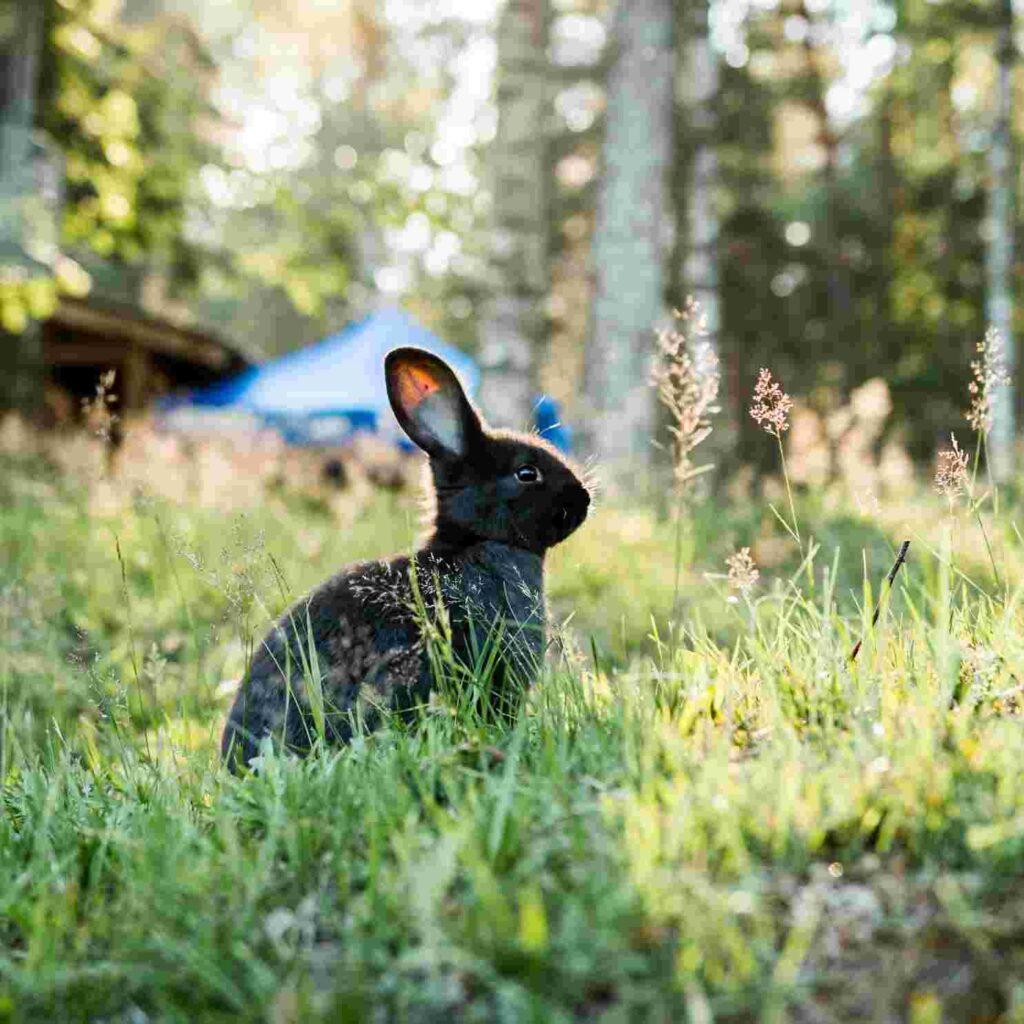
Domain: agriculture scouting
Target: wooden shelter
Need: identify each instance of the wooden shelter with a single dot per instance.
(87, 337)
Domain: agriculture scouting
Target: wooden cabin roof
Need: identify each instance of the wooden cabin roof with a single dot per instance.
(93, 331)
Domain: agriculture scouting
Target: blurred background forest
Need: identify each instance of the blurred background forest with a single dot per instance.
(540, 182)
(758, 778)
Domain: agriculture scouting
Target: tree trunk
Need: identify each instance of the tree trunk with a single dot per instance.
(999, 256)
(631, 236)
(838, 298)
(513, 323)
(21, 27)
(697, 90)
(873, 354)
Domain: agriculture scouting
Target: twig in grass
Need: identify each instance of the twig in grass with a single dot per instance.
(901, 557)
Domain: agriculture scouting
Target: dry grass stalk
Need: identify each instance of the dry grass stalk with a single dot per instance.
(98, 410)
(770, 411)
(686, 378)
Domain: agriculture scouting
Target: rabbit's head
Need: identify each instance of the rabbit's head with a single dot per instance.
(490, 484)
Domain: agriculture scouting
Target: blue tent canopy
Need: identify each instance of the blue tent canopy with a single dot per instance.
(324, 393)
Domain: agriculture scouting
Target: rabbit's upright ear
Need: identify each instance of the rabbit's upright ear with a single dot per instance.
(429, 402)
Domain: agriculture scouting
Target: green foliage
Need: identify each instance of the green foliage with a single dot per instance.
(24, 297)
(891, 280)
(125, 103)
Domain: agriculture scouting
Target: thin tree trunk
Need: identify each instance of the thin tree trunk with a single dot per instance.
(1000, 248)
(513, 324)
(838, 296)
(20, 38)
(21, 25)
(697, 90)
(631, 236)
(950, 339)
(876, 343)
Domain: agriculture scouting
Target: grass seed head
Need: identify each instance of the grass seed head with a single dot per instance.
(951, 475)
(743, 572)
(989, 372)
(771, 405)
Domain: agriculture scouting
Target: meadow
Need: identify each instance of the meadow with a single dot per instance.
(706, 811)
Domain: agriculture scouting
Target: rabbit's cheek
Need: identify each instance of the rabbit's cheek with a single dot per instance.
(508, 489)
(464, 507)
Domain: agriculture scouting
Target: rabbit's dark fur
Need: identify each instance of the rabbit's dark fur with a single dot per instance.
(501, 500)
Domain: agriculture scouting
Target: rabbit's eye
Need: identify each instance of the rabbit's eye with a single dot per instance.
(528, 474)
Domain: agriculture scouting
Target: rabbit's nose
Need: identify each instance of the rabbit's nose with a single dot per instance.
(574, 508)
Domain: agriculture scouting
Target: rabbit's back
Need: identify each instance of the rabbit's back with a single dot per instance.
(356, 635)
(363, 627)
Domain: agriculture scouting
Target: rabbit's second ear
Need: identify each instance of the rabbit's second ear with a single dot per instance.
(429, 402)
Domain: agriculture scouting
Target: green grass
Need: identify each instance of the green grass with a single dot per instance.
(715, 819)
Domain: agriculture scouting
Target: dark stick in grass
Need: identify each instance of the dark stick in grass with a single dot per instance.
(901, 557)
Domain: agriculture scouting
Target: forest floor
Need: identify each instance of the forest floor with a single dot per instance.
(711, 814)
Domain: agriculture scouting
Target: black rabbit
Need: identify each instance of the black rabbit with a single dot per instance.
(501, 500)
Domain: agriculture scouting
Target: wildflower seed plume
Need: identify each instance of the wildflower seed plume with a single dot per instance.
(989, 373)
(743, 572)
(686, 378)
(951, 474)
(771, 405)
